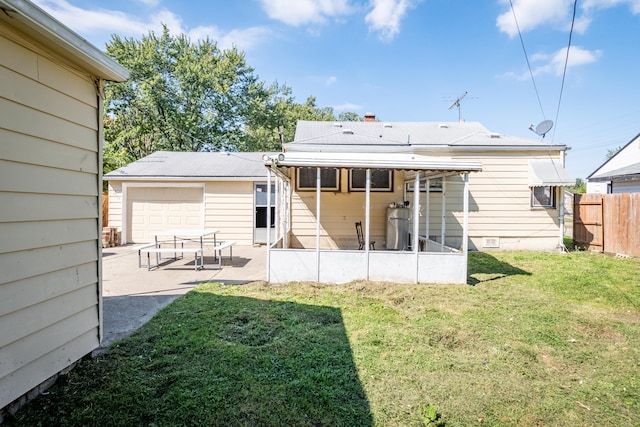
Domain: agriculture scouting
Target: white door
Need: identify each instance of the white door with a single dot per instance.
(260, 219)
(152, 209)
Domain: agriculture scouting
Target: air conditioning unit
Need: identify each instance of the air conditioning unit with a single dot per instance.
(490, 242)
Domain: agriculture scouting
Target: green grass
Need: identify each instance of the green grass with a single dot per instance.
(534, 339)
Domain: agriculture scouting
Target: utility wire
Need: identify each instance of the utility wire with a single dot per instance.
(527, 58)
(566, 61)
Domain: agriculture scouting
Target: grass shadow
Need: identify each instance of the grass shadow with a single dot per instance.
(484, 267)
(217, 360)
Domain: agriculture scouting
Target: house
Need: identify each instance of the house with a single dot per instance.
(50, 198)
(212, 190)
(478, 190)
(620, 173)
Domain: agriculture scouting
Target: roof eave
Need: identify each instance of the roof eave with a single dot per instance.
(42, 26)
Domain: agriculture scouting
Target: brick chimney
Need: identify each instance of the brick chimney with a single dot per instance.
(369, 117)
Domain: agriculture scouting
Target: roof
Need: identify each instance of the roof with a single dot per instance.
(405, 161)
(36, 23)
(403, 136)
(622, 174)
(548, 172)
(168, 165)
(595, 174)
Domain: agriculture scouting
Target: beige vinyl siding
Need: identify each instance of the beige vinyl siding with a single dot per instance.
(499, 206)
(229, 207)
(115, 204)
(339, 213)
(49, 216)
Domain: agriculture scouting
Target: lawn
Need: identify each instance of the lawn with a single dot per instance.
(533, 339)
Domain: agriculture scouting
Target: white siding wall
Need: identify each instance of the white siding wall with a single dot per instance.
(632, 186)
(49, 216)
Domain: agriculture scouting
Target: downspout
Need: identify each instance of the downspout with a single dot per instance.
(100, 111)
(465, 224)
(427, 211)
(561, 213)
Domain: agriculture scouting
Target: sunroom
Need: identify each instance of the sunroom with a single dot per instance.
(317, 198)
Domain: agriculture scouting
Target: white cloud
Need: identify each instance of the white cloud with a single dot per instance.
(386, 16)
(347, 106)
(300, 12)
(152, 3)
(533, 13)
(634, 5)
(553, 63)
(330, 80)
(557, 13)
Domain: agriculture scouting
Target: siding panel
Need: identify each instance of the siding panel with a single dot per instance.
(32, 235)
(16, 207)
(39, 179)
(25, 264)
(26, 149)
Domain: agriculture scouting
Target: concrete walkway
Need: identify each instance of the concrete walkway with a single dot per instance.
(133, 295)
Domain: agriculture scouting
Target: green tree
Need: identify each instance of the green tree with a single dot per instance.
(181, 96)
(580, 187)
(184, 96)
(612, 152)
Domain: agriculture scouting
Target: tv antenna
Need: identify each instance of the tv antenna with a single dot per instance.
(456, 103)
(542, 128)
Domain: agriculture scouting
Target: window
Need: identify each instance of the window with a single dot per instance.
(435, 185)
(329, 179)
(381, 180)
(543, 197)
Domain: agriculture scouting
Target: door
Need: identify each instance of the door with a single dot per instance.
(260, 220)
(152, 209)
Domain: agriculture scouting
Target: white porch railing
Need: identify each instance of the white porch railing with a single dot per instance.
(343, 266)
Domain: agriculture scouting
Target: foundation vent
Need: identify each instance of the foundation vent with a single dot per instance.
(490, 242)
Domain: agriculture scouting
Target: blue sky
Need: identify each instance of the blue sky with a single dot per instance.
(408, 60)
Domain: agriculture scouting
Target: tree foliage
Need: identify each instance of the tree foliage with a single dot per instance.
(580, 187)
(185, 96)
(612, 152)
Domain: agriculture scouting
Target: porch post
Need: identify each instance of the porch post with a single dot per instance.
(416, 212)
(367, 217)
(427, 211)
(416, 223)
(268, 224)
(318, 191)
(276, 231)
(443, 225)
(465, 209)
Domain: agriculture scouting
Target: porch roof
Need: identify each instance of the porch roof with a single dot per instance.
(399, 161)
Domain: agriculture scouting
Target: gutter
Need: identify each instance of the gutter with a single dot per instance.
(47, 29)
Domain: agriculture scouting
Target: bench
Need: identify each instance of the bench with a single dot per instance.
(149, 249)
(217, 251)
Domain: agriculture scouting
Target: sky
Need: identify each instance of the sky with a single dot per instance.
(409, 60)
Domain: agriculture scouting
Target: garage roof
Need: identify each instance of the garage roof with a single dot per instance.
(168, 165)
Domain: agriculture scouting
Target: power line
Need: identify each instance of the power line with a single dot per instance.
(527, 58)
(566, 61)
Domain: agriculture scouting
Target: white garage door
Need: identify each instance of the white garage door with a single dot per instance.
(152, 209)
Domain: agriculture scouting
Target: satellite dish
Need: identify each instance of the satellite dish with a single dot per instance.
(542, 128)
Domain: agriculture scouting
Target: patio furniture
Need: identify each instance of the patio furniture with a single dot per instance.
(361, 240)
(178, 237)
(217, 251)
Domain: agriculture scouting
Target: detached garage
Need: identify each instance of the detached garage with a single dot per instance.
(187, 190)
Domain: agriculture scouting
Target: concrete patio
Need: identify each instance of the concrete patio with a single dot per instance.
(133, 295)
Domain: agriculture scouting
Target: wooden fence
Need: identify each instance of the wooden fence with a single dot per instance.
(105, 210)
(607, 222)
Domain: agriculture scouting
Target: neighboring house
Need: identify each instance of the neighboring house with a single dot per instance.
(51, 82)
(187, 190)
(620, 173)
(486, 191)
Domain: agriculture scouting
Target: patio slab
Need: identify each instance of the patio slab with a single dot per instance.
(133, 295)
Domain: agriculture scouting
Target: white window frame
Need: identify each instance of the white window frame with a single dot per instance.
(313, 186)
(388, 188)
(535, 202)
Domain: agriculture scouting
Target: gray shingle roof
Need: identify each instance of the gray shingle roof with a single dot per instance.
(405, 134)
(167, 164)
(627, 172)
